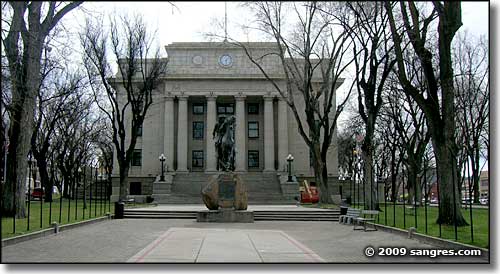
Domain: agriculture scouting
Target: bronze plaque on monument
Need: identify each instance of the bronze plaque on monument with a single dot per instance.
(226, 192)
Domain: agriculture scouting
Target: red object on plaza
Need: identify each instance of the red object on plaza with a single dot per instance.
(311, 197)
(37, 193)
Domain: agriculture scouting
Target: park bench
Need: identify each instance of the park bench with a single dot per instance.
(351, 214)
(366, 216)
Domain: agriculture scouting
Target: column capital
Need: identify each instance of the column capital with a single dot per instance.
(268, 97)
(282, 99)
(211, 97)
(182, 97)
(240, 97)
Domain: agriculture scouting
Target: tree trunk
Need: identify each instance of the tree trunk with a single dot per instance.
(17, 164)
(123, 183)
(414, 186)
(66, 186)
(393, 176)
(371, 193)
(476, 173)
(448, 189)
(44, 178)
(321, 175)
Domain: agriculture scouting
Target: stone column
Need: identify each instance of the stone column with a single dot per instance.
(268, 134)
(211, 163)
(240, 136)
(168, 134)
(182, 134)
(282, 134)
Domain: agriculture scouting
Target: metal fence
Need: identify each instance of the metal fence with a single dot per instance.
(88, 197)
(423, 215)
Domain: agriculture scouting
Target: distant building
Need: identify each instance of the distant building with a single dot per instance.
(483, 186)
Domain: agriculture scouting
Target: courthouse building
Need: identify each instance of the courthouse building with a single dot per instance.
(204, 82)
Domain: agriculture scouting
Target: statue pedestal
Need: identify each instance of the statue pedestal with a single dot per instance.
(225, 215)
(225, 190)
(226, 198)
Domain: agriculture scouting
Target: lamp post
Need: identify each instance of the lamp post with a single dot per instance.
(162, 160)
(289, 159)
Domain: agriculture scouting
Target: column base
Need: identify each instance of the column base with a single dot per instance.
(269, 170)
(182, 171)
(211, 171)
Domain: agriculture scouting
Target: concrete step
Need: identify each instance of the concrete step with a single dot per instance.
(263, 188)
(295, 219)
(162, 188)
(128, 216)
(292, 215)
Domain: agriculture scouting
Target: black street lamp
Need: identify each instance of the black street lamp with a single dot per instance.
(162, 160)
(289, 159)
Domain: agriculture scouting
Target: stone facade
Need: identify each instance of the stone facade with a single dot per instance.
(205, 81)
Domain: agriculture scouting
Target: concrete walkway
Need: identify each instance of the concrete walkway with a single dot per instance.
(206, 245)
(186, 241)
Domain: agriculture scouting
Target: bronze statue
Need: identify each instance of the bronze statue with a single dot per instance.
(224, 143)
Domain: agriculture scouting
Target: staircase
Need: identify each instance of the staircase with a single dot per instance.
(305, 215)
(292, 215)
(263, 188)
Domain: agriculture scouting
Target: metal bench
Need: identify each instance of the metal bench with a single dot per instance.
(366, 216)
(351, 214)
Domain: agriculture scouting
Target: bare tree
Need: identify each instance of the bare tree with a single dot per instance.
(54, 98)
(23, 43)
(471, 80)
(391, 144)
(346, 144)
(373, 65)
(130, 93)
(314, 56)
(104, 143)
(409, 122)
(74, 135)
(438, 100)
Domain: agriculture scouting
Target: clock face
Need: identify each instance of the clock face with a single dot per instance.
(226, 60)
(197, 60)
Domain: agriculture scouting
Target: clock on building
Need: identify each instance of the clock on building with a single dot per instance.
(197, 60)
(226, 60)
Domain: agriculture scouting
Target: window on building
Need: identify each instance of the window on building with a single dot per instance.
(139, 131)
(198, 108)
(198, 130)
(137, 157)
(135, 188)
(253, 158)
(225, 108)
(253, 129)
(253, 108)
(197, 158)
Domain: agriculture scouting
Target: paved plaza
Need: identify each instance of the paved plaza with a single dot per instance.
(186, 241)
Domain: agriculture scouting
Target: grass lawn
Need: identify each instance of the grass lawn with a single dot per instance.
(407, 220)
(98, 209)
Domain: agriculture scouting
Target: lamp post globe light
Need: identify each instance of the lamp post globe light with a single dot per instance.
(289, 159)
(162, 160)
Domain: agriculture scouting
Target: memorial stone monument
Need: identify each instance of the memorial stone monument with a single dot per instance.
(225, 194)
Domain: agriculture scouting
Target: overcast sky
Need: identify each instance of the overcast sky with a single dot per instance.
(190, 20)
